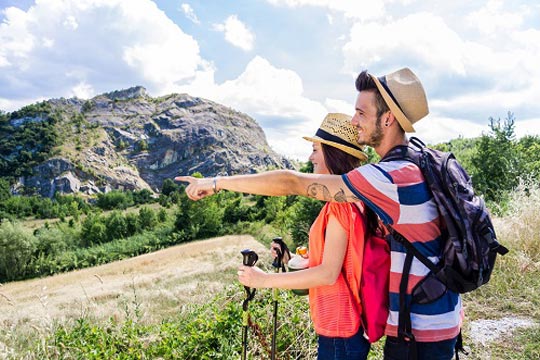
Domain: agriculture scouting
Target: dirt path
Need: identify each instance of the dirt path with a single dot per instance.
(154, 284)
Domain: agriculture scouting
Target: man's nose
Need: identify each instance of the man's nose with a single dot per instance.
(354, 120)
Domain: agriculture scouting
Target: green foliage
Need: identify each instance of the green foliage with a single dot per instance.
(236, 209)
(115, 200)
(17, 246)
(168, 187)
(121, 145)
(51, 242)
(373, 157)
(528, 149)
(142, 145)
(300, 217)
(93, 231)
(88, 105)
(199, 219)
(463, 149)
(116, 226)
(147, 218)
(28, 138)
(307, 168)
(5, 192)
(143, 196)
(206, 331)
(496, 167)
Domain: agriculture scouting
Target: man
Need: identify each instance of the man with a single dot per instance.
(386, 108)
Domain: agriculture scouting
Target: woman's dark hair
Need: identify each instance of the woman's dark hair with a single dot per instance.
(364, 82)
(339, 162)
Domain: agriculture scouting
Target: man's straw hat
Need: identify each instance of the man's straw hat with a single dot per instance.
(404, 95)
(336, 130)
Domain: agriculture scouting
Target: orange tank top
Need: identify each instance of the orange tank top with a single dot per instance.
(335, 309)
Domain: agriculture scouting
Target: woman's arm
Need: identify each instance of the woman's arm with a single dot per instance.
(272, 183)
(326, 273)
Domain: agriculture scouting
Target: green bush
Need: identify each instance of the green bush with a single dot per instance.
(201, 331)
(147, 218)
(17, 247)
(300, 216)
(115, 200)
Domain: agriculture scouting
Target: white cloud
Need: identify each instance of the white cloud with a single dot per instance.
(340, 106)
(274, 97)
(435, 129)
(464, 76)
(83, 91)
(354, 9)
(236, 33)
(70, 23)
(190, 13)
(53, 47)
(406, 39)
(494, 18)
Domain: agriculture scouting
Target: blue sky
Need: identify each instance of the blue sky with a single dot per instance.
(286, 63)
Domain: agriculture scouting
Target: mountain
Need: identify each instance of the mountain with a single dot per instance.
(128, 140)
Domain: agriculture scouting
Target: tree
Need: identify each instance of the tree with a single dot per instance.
(496, 165)
(528, 149)
(5, 191)
(17, 246)
(168, 187)
(147, 218)
(93, 231)
(300, 216)
(116, 225)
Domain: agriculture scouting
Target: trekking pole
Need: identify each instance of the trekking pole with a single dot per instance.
(278, 264)
(250, 258)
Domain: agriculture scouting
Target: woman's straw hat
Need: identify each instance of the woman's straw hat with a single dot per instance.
(336, 130)
(404, 95)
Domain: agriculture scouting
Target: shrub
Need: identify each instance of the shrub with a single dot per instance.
(17, 246)
(115, 200)
(147, 218)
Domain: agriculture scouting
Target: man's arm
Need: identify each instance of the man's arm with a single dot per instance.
(273, 183)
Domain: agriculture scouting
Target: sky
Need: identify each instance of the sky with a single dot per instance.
(285, 63)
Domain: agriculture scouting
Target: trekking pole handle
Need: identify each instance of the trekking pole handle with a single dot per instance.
(250, 257)
(281, 251)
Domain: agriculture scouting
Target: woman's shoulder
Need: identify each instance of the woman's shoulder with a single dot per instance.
(344, 210)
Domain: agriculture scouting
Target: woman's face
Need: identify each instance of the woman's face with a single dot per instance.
(317, 159)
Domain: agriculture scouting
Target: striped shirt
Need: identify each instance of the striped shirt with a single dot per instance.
(397, 192)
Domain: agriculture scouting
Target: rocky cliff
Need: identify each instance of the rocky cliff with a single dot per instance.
(129, 140)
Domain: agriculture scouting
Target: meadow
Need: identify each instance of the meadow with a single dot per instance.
(184, 302)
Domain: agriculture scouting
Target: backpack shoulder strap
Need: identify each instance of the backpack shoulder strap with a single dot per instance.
(410, 248)
(411, 152)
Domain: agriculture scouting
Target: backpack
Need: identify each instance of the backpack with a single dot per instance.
(471, 243)
(374, 284)
(470, 247)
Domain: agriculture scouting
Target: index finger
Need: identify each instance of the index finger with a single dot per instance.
(188, 179)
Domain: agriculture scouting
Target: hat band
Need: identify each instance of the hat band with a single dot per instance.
(329, 137)
(382, 80)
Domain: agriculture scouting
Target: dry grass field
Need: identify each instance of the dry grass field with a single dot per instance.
(157, 284)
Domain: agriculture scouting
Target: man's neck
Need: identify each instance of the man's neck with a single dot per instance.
(389, 142)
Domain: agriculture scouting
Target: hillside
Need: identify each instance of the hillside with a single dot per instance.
(127, 140)
(160, 282)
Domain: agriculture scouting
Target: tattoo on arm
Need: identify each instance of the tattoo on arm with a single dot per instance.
(340, 196)
(314, 190)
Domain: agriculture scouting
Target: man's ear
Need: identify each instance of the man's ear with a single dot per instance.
(389, 118)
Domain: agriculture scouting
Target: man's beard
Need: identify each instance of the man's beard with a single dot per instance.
(376, 136)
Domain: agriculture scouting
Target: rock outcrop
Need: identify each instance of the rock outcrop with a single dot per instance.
(133, 141)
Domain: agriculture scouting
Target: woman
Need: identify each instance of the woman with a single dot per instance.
(336, 243)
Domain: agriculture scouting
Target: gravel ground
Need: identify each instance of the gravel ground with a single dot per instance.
(485, 331)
